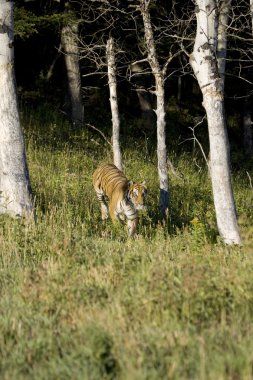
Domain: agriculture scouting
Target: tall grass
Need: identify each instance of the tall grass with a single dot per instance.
(81, 301)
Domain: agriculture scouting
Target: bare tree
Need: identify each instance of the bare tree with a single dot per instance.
(70, 47)
(15, 189)
(112, 82)
(99, 51)
(205, 66)
(160, 107)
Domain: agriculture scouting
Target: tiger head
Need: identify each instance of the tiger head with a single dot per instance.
(137, 193)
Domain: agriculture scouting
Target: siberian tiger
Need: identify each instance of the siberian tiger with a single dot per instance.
(125, 197)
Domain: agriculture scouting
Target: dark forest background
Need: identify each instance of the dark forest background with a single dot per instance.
(41, 73)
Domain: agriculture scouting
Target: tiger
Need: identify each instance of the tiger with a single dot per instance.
(125, 197)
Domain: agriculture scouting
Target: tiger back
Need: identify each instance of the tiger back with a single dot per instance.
(125, 197)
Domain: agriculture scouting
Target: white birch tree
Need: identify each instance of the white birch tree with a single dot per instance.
(112, 82)
(15, 189)
(160, 107)
(205, 66)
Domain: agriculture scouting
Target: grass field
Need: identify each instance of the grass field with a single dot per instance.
(81, 301)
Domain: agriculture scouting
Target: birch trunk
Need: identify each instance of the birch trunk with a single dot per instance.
(15, 189)
(112, 82)
(69, 42)
(204, 63)
(160, 109)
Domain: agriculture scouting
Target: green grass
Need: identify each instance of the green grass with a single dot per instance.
(81, 301)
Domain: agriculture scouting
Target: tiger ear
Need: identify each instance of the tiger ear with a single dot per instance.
(130, 183)
(143, 183)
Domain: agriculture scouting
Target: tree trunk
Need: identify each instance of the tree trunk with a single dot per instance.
(112, 81)
(144, 97)
(146, 110)
(204, 63)
(251, 12)
(247, 111)
(224, 9)
(247, 127)
(160, 109)
(179, 89)
(15, 189)
(69, 42)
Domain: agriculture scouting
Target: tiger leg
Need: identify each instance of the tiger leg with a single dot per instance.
(121, 217)
(103, 205)
(132, 226)
(113, 213)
